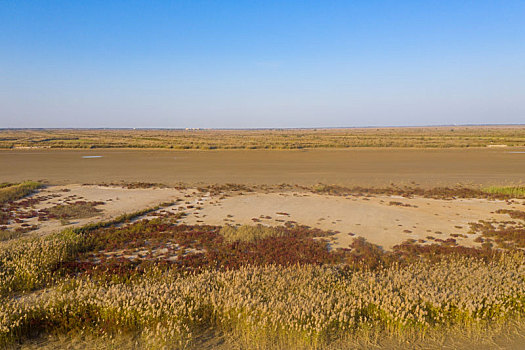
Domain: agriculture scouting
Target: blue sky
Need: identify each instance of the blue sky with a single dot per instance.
(242, 64)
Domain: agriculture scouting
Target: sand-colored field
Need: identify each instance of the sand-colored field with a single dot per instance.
(373, 218)
(379, 219)
(117, 201)
(348, 167)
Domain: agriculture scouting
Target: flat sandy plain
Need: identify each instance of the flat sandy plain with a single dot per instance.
(374, 218)
(348, 167)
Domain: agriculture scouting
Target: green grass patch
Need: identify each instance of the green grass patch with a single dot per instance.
(512, 191)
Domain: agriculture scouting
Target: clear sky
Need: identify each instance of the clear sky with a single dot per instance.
(224, 64)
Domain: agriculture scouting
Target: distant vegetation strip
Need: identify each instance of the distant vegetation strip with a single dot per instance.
(493, 192)
(425, 137)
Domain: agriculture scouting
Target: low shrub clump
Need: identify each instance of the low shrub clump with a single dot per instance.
(11, 193)
(247, 233)
(30, 263)
(6, 235)
(511, 191)
(76, 210)
(436, 192)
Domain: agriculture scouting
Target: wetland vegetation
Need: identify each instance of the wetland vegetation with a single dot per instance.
(157, 283)
(426, 137)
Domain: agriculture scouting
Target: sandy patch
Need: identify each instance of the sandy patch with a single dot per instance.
(373, 218)
(117, 201)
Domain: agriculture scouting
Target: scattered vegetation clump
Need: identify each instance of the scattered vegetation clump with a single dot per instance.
(10, 209)
(136, 185)
(401, 204)
(6, 235)
(408, 252)
(76, 210)
(511, 191)
(408, 191)
(225, 188)
(514, 214)
(507, 234)
(248, 233)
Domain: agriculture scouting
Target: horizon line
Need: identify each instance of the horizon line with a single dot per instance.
(271, 128)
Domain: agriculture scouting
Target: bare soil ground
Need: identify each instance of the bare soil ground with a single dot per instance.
(380, 219)
(117, 201)
(347, 167)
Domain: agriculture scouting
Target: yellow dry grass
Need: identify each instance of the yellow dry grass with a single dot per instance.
(266, 139)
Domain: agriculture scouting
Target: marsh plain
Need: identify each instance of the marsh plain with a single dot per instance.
(314, 248)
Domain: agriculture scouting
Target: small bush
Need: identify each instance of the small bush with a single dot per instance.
(512, 191)
(247, 233)
(6, 235)
(77, 210)
(15, 192)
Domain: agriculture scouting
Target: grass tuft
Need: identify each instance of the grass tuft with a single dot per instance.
(15, 192)
(6, 235)
(512, 191)
(76, 210)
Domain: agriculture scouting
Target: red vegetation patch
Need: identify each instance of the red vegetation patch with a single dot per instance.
(197, 248)
(507, 234)
(408, 191)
